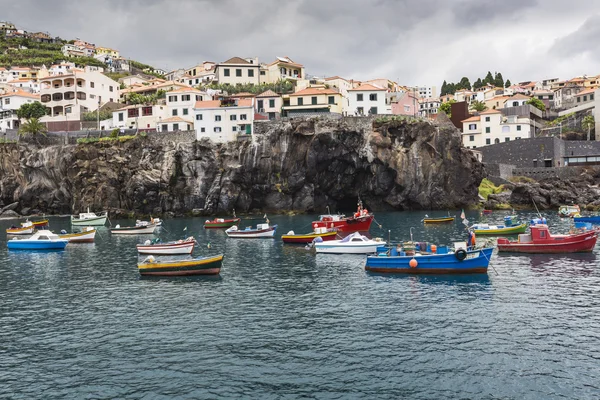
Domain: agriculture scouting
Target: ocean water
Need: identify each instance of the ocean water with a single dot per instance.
(283, 323)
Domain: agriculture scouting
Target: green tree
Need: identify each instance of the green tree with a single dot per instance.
(31, 110)
(588, 123)
(537, 103)
(446, 107)
(464, 83)
(507, 84)
(488, 78)
(444, 89)
(478, 84)
(498, 80)
(32, 127)
(478, 106)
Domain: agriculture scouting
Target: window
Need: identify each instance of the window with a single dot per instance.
(217, 118)
(146, 111)
(262, 73)
(313, 100)
(506, 129)
(331, 100)
(272, 103)
(172, 99)
(472, 138)
(487, 129)
(568, 93)
(472, 127)
(518, 127)
(217, 129)
(542, 234)
(198, 97)
(261, 105)
(359, 97)
(515, 103)
(243, 117)
(488, 141)
(592, 96)
(579, 99)
(487, 119)
(496, 141)
(406, 108)
(234, 129)
(373, 97)
(185, 97)
(585, 98)
(174, 112)
(507, 139)
(233, 117)
(121, 117)
(7, 101)
(198, 117)
(250, 72)
(185, 111)
(226, 72)
(373, 111)
(91, 84)
(238, 72)
(300, 101)
(133, 112)
(164, 128)
(110, 88)
(175, 127)
(202, 130)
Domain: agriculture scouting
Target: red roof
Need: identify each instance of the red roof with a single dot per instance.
(367, 88)
(314, 91)
(472, 119)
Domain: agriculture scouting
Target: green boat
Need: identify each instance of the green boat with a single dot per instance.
(497, 230)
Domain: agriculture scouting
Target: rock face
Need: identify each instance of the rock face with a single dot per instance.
(301, 165)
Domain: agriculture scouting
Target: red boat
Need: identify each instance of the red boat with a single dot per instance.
(359, 222)
(221, 223)
(540, 240)
(486, 212)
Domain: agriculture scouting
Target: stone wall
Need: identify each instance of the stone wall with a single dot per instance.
(548, 173)
(522, 152)
(503, 171)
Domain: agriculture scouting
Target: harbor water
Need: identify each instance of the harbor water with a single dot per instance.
(283, 323)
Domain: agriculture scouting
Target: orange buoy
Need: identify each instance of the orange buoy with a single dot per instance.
(433, 248)
(413, 263)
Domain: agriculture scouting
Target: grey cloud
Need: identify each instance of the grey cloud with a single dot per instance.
(585, 40)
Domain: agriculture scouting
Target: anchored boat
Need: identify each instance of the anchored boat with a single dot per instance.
(261, 231)
(351, 244)
(198, 266)
(510, 227)
(568, 211)
(185, 246)
(26, 228)
(323, 233)
(133, 230)
(441, 220)
(359, 222)
(540, 240)
(594, 219)
(41, 240)
(221, 223)
(86, 236)
(37, 224)
(89, 219)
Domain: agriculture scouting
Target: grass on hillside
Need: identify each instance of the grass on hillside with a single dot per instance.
(486, 187)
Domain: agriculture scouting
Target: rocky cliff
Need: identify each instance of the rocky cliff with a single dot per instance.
(301, 165)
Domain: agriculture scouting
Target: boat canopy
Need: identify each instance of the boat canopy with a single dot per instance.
(353, 236)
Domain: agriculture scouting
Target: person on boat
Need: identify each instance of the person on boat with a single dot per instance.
(471, 241)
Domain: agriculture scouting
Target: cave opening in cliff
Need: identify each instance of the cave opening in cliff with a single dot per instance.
(348, 204)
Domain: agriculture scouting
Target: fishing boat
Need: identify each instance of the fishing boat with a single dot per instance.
(593, 219)
(85, 236)
(486, 212)
(354, 243)
(156, 221)
(185, 246)
(198, 266)
(37, 224)
(133, 230)
(221, 223)
(510, 227)
(359, 222)
(462, 260)
(323, 233)
(26, 228)
(568, 211)
(540, 240)
(261, 231)
(41, 240)
(89, 219)
(440, 220)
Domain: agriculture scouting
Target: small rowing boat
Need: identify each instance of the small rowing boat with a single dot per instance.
(221, 223)
(510, 227)
(37, 224)
(89, 219)
(198, 266)
(261, 231)
(133, 230)
(323, 233)
(26, 228)
(441, 220)
(185, 246)
(569, 211)
(85, 236)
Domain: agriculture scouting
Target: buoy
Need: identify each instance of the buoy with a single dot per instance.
(413, 263)
(314, 225)
(433, 248)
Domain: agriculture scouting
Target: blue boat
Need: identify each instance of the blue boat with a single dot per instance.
(593, 219)
(41, 240)
(461, 261)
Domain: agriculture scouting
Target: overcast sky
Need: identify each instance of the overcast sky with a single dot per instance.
(415, 42)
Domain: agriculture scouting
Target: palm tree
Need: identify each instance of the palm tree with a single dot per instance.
(478, 106)
(588, 123)
(33, 127)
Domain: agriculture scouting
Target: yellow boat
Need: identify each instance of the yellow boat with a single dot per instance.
(198, 266)
(438, 220)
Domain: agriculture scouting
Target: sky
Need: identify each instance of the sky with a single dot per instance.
(413, 42)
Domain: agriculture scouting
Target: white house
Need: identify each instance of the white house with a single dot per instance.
(238, 70)
(181, 102)
(141, 116)
(223, 120)
(516, 100)
(269, 104)
(491, 127)
(133, 80)
(425, 92)
(11, 102)
(367, 99)
(428, 106)
(26, 84)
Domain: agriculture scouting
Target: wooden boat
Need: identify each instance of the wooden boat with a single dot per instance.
(359, 222)
(441, 220)
(510, 227)
(594, 219)
(133, 230)
(185, 246)
(89, 219)
(41, 240)
(199, 266)
(568, 211)
(323, 233)
(37, 224)
(486, 212)
(354, 243)
(541, 241)
(261, 231)
(85, 236)
(26, 228)
(221, 223)
(459, 261)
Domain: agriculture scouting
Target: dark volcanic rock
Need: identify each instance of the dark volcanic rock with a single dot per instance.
(301, 165)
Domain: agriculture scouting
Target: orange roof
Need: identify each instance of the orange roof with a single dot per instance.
(243, 94)
(208, 104)
(22, 93)
(176, 119)
(519, 96)
(236, 60)
(490, 112)
(367, 87)
(313, 91)
(268, 93)
(472, 119)
(587, 91)
(335, 77)
(183, 89)
(292, 63)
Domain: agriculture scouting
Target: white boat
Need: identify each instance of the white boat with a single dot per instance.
(41, 240)
(171, 248)
(153, 221)
(27, 228)
(133, 230)
(86, 236)
(261, 231)
(351, 244)
(89, 219)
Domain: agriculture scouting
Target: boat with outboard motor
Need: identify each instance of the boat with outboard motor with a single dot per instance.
(354, 243)
(197, 266)
(27, 228)
(142, 229)
(510, 227)
(569, 211)
(89, 219)
(359, 222)
(184, 246)
(41, 240)
(87, 235)
(261, 231)
(540, 240)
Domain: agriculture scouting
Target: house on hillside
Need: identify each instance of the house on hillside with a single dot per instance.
(495, 126)
(406, 104)
(9, 104)
(281, 69)
(238, 70)
(223, 120)
(516, 100)
(313, 101)
(107, 51)
(143, 117)
(269, 104)
(368, 99)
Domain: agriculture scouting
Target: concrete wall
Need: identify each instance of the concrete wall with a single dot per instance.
(545, 173)
(522, 152)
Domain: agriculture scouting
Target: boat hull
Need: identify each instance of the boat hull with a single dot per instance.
(510, 230)
(592, 219)
(308, 238)
(20, 231)
(351, 248)
(476, 261)
(80, 237)
(98, 221)
(583, 244)
(166, 248)
(348, 225)
(203, 266)
(438, 220)
(134, 230)
(228, 223)
(252, 233)
(40, 224)
(37, 245)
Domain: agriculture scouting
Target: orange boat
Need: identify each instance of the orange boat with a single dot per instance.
(27, 228)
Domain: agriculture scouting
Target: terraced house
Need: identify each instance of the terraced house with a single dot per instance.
(238, 70)
(313, 101)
